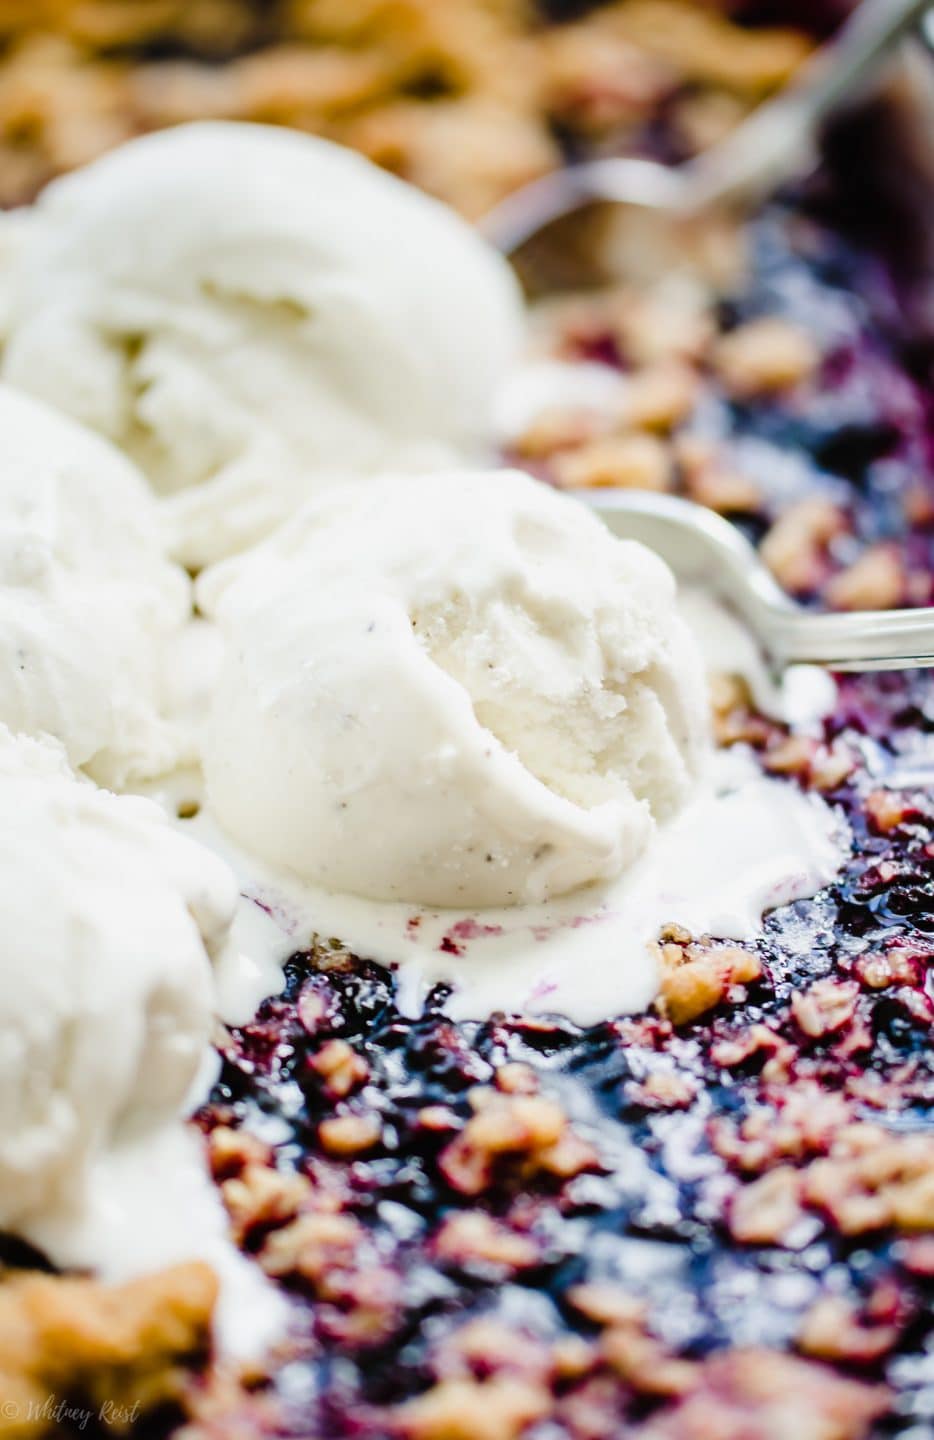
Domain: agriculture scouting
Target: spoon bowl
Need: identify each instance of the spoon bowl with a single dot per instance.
(703, 548)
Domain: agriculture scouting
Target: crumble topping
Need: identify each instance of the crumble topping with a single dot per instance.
(123, 1349)
(769, 1097)
(463, 98)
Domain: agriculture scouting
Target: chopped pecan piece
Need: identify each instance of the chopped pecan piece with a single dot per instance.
(697, 977)
(825, 1007)
(470, 1237)
(764, 1211)
(764, 356)
(500, 1408)
(631, 462)
(526, 1135)
(876, 581)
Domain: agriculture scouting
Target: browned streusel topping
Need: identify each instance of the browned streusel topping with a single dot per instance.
(130, 1347)
(460, 97)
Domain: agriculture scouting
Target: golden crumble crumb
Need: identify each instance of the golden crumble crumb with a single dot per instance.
(764, 356)
(703, 45)
(876, 581)
(795, 547)
(831, 766)
(558, 429)
(340, 1067)
(787, 1396)
(515, 1078)
(262, 1196)
(661, 396)
(832, 1330)
(711, 480)
(231, 1151)
(879, 969)
(663, 1090)
(632, 462)
(595, 81)
(872, 1179)
(765, 1210)
(671, 319)
(500, 1408)
(825, 1007)
(527, 1134)
(349, 1134)
(607, 1304)
(644, 1362)
(470, 1236)
(311, 1245)
(128, 1345)
(696, 978)
(886, 810)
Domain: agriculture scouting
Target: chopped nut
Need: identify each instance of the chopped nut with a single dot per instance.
(472, 1236)
(764, 356)
(833, 1330)
(826, 1007)
(663, 1090)
(606, 1304)
(661, 396)
(887, 809)
(526, 1133)
(262, 1196)
(876, 581)
(496, 1409)
(342, 1069)
(764, 1211)
(349, 1134)
(795, 547)
(558, 429)
(697, 978)
(873, 1179)
(644, 1363)
(631, 462)
(312, 1245)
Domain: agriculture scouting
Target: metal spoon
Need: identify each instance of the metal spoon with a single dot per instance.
(701, 546)
(776, 142)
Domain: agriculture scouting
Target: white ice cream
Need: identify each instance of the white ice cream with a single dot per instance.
(452, 689)
(110, 922)
(89, 604)
(250, 312)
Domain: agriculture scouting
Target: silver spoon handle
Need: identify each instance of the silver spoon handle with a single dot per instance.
(862, 640)
(778, 138)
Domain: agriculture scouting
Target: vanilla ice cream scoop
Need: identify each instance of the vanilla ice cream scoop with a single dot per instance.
(453, 689)
(110, 920)
(89, 603)
(249, 312)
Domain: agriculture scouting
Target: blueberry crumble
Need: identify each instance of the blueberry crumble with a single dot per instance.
(710, 1221)
(713, 1220)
